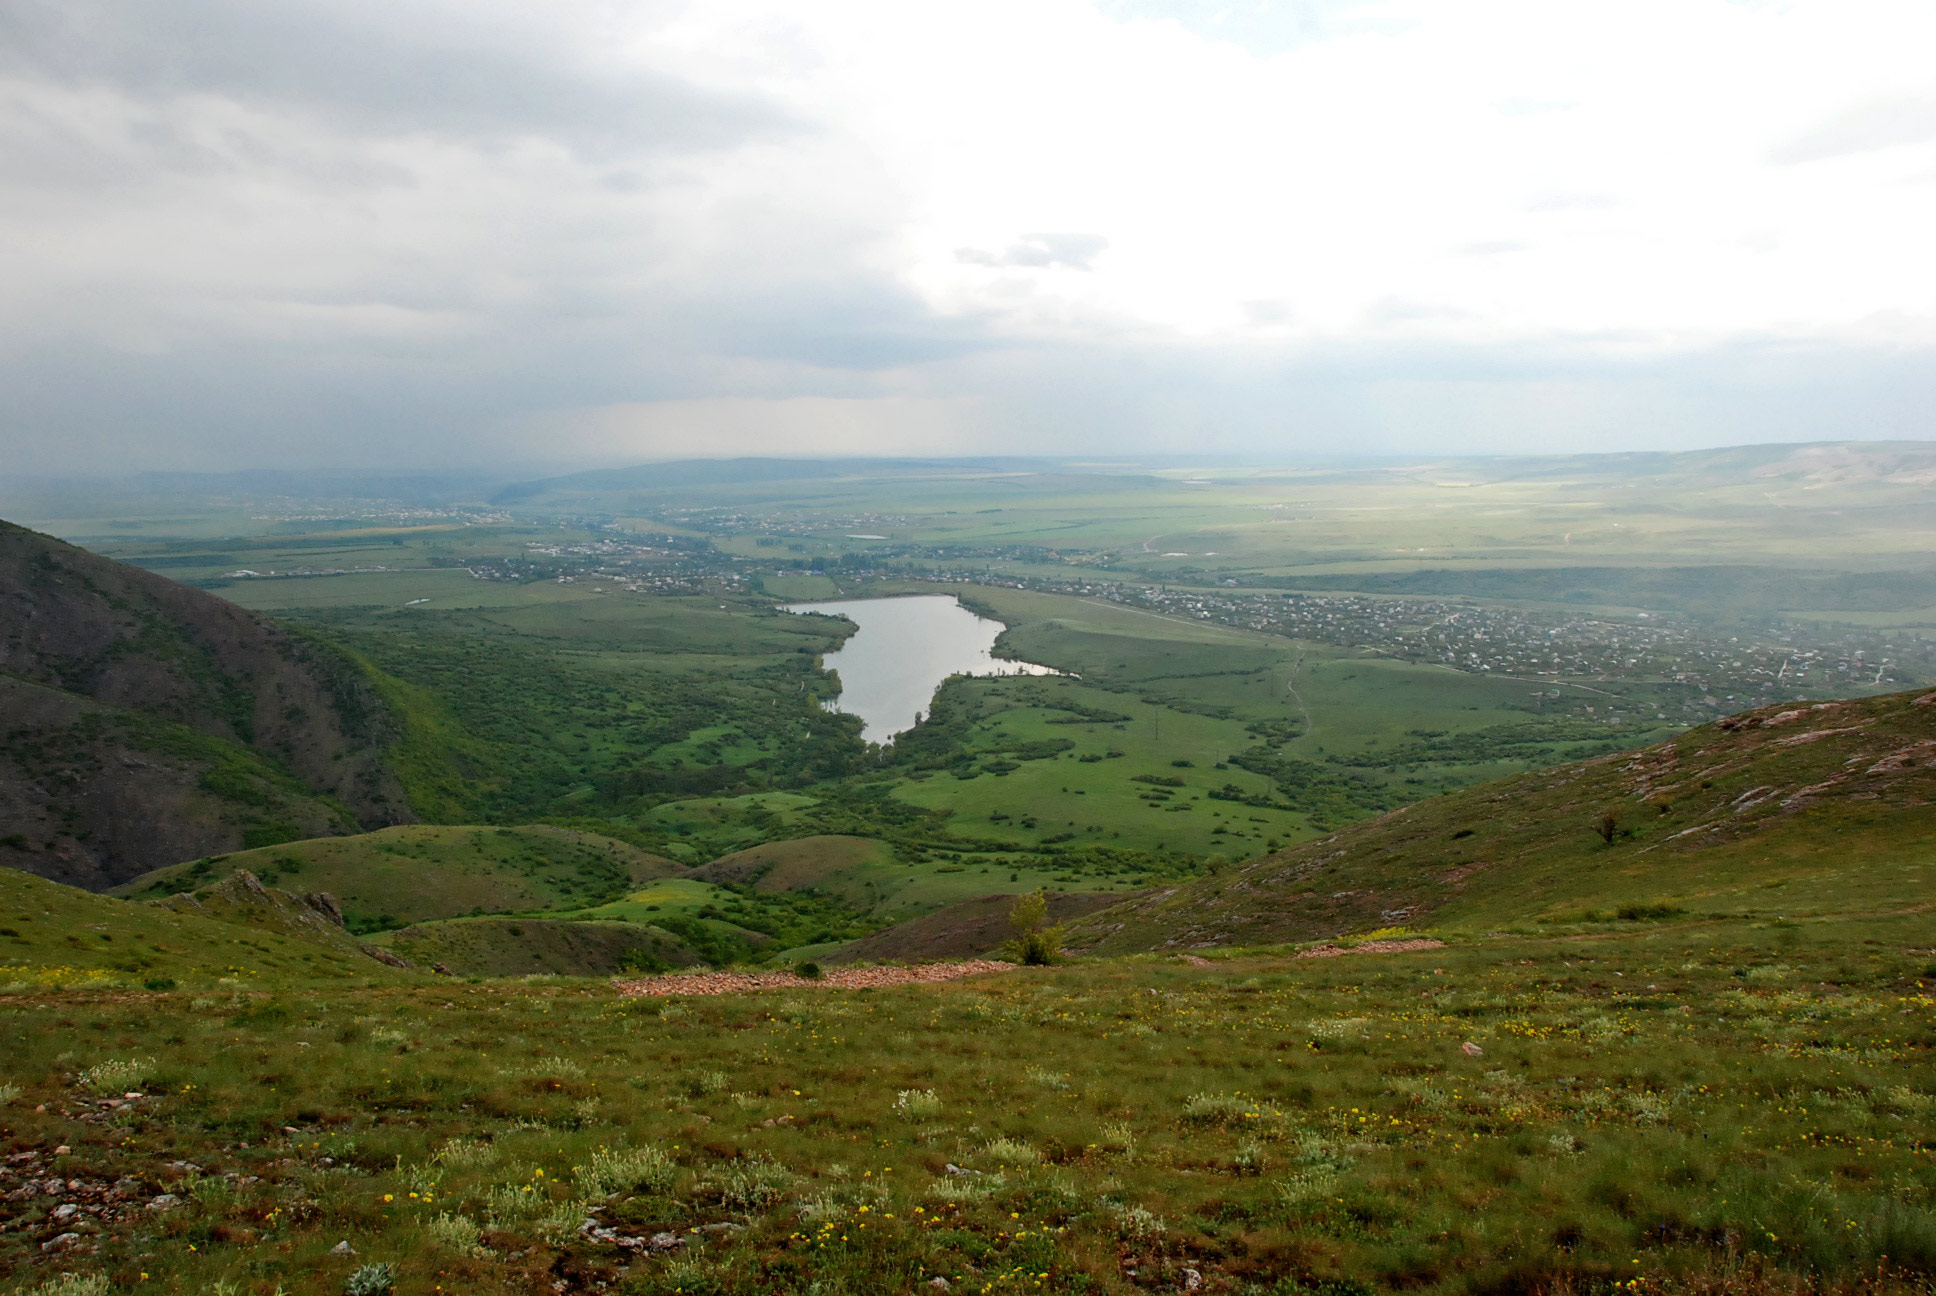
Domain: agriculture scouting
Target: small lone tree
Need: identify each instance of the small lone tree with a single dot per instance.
(1607, 826)
(1036, 942)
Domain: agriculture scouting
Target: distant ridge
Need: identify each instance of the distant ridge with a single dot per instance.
(726, 472)
(1910, 463)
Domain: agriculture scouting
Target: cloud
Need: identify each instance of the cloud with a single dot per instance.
(419, 232)
(479, 70)
(1884, 123)
(1040, 251)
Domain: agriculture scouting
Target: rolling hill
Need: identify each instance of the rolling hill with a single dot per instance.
(420, 872)
(235, 933)
(1824, 808)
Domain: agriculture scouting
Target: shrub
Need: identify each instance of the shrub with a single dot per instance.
(116, 1075)
(701, 1083)
(1137, 1224)
(750, 1185)
(1036, 942)
(1641, 912)
(619, 1170)
(371, 1280)
(808, 971)
(1223, 1109)
(1008, 1151)
(643, 961)
(460, 1153)
(917, 1104)
(552, 1068)
(460, 1235)
(70, 1284)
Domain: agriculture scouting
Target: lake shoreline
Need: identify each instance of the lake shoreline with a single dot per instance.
(906, 648)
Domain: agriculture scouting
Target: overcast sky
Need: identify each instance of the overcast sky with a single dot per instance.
(418, 232)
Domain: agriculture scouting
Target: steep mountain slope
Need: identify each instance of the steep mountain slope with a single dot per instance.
(1786, 810)
(133, 654)
(90, 793)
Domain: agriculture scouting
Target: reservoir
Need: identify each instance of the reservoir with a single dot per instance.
(906, 649)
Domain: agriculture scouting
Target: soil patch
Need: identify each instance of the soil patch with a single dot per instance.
(713, 983)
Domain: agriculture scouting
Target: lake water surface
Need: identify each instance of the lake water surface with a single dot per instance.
(906, 649)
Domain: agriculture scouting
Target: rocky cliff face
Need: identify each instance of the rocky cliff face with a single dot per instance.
(142, 718)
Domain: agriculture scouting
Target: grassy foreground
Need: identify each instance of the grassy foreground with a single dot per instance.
(1681, 1105)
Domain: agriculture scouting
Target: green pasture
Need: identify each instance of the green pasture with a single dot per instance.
(1098, 799)
(890, 891)
(667, 895)
(884, 883)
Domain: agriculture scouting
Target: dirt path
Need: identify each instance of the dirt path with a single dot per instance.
(714, 983)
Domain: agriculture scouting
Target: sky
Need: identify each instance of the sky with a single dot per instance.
(467, 233)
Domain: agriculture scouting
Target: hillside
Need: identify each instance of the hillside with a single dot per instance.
(236, 933)
(503, 947)
(90, 794)
(965, 929)
(794, 865)
(419, 872)
(1818, 808)
(123, 651)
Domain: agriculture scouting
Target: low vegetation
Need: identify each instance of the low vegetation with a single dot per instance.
(1695, 1105)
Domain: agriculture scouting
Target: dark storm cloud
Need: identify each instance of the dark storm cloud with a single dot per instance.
(382, 67)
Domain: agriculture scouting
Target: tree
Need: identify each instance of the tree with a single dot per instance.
(1036, 942)
(1607, 826)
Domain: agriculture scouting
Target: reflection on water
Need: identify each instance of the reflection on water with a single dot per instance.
(905, 650)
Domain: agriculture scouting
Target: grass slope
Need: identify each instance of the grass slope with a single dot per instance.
(499, 947)
(1783, 811)
(798, 865)
(422, 872)
(1708, 1107)
(58, 936)
(880, 886)
(966, 929)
